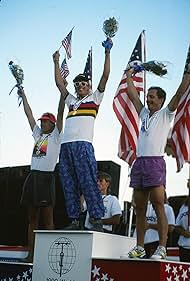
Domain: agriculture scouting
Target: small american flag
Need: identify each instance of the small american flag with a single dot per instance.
(67, 44)
(88, 67)
(180, 137)
(125, 110)
(64, 70)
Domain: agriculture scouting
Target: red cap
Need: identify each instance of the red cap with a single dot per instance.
(48, 116)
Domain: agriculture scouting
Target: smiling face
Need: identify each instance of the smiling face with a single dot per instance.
(82, 88)
(154, 102)
(82, 85)
(103, 185)
(47, 126)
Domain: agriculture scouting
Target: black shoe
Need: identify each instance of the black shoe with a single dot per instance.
(74, 225)
(97, 225)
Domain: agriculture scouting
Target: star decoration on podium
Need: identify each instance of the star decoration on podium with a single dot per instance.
(97, 276)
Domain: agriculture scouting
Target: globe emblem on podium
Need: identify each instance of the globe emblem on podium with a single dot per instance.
(62, 255)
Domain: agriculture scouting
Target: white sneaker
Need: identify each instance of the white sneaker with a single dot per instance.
(137, 252)
(159, 254)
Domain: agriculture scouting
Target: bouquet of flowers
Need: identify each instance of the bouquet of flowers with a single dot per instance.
(18, 74)
(156, 67)
(110, 27)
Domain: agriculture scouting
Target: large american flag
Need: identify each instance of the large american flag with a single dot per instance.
(180, 137)
(67, 44)
(88, 66)
(64, 70)
(124, 108)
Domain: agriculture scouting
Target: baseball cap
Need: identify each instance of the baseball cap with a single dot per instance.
(81, 77)
(48, 116)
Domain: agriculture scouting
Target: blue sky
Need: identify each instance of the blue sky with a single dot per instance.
(31, 30)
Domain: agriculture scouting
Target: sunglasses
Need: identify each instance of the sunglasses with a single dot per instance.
(82, 83)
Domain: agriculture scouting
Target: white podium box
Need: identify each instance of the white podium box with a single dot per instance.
(67, 255)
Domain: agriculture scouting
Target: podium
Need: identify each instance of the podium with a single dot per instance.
(89, 256)
(69, 255)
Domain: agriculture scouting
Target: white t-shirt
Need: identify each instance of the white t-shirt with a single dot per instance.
(154, 132)
(46, 149)
(111, 208)
(182, 220)
(151, 235)
(79, 124)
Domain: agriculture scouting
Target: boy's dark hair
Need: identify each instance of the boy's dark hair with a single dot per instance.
(104, 175)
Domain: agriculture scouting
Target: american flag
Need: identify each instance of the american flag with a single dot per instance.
(67, 44)
(180, 136)
(124, 108)
(88, 67)
(64, 70)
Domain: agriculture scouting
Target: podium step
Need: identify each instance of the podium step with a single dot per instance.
(13, 252)
(139, 270)
(15, 271)
(110, 270)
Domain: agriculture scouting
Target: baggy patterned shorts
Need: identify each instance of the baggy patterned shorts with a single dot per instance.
(78, 175)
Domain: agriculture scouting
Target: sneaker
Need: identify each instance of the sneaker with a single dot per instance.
(159, 254)
(97, 225)
(74, 225)
(137, 252)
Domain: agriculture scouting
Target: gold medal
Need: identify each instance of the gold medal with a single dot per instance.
(74, 112)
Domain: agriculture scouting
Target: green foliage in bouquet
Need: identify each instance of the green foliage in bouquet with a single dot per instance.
(110, 27)
(156, 67)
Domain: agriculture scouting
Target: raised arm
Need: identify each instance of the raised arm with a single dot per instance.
(180, 91)
(61, 83)
(60, 111)
(106, 71)
(27, 109)
(132, 91)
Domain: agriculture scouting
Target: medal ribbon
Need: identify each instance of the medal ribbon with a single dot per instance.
(78, 103)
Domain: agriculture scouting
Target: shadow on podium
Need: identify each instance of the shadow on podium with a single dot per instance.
(13, 217)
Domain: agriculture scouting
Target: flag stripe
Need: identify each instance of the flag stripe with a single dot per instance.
(125, 116)
(123, 152)
(129, 125)
(180, 138)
